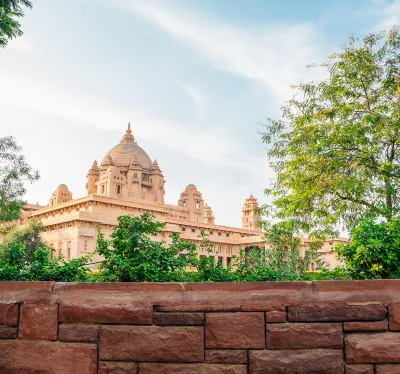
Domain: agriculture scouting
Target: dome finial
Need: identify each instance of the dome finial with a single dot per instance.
(128, 135)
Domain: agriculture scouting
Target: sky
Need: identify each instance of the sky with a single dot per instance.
(195, 78)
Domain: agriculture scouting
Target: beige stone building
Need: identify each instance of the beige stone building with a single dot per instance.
(128, 182)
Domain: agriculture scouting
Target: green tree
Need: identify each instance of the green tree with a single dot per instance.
(14, 172)
(283, 250)
(132, 255)
(207, 268)
(374, 249)
(29, 236)
(10, 28)
(15, 266)
(336, 151)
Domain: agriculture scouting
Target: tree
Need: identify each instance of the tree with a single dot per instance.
(9, 26)
(29, 236)
(131, 255)
(336, 150)
(14, 266)
(373, 251)
(14, 171)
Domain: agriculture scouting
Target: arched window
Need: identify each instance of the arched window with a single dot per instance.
(135, 175)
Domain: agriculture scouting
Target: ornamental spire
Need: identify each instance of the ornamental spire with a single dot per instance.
(128, 135)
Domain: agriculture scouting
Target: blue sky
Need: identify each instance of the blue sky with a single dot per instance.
(194, 77)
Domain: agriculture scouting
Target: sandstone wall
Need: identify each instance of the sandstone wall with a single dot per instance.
(148, 328)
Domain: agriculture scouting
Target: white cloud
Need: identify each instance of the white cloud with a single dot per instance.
(198, 97)
(390, 14)
(210, 147)
(273, 55)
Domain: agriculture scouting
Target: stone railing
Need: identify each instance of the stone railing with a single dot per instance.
(120, 328)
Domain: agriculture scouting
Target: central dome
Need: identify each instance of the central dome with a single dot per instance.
(123, 153)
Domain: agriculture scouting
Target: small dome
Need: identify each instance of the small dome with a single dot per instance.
(62, 187)
(123, 153)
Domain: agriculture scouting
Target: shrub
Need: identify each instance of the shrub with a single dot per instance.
(15, 266)
(132, 256)
(374, 250)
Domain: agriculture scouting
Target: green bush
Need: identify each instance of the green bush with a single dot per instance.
(132, 256)
(374, 250)
(14, 266)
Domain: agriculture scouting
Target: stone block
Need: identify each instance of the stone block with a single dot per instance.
(178, 319)
(394, 317)
(8, 314)
(22, 356)
(387, 369)
(78, 333)
(152, 343)
(38, 321)
(243, 330)
(275, 316)
(8, 333)
(380, 347)
(360, 369)
(310, 361)
(137, 314)
(304, 335)
(107, 367)
(226, 356)
(336, 312)
(148, 368)
(366, 326)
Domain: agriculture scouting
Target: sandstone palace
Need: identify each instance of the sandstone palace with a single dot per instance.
(128, 182)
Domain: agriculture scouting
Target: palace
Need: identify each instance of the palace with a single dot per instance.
(127, 182)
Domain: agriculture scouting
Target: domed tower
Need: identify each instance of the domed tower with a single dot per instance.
(192, 199)
(132, 175)
(92, 179)
(208, 215)
(249, 217)
(60, 195)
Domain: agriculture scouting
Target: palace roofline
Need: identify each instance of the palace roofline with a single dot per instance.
(148, 206)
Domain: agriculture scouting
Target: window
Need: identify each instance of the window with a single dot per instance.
(211, 233)
(219, 234)
(102, 189)
(193, 230)
(60, 248)
(68, 250)
(228, 260)
(197, 204)
(183, 228)
(227, 235)
(119, 189)
(184, 203)
(220, 259)
(135, 175)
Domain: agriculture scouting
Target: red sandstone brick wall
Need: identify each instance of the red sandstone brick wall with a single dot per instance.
(306, 327)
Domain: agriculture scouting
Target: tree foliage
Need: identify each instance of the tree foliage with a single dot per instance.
(14, 172)
(336, 151)
(374, 249)
(29, 236)
(15, 265)
(10, 10)
(132, 255)
(24, 256)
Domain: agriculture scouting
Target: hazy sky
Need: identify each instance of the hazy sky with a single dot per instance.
(194, 77)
